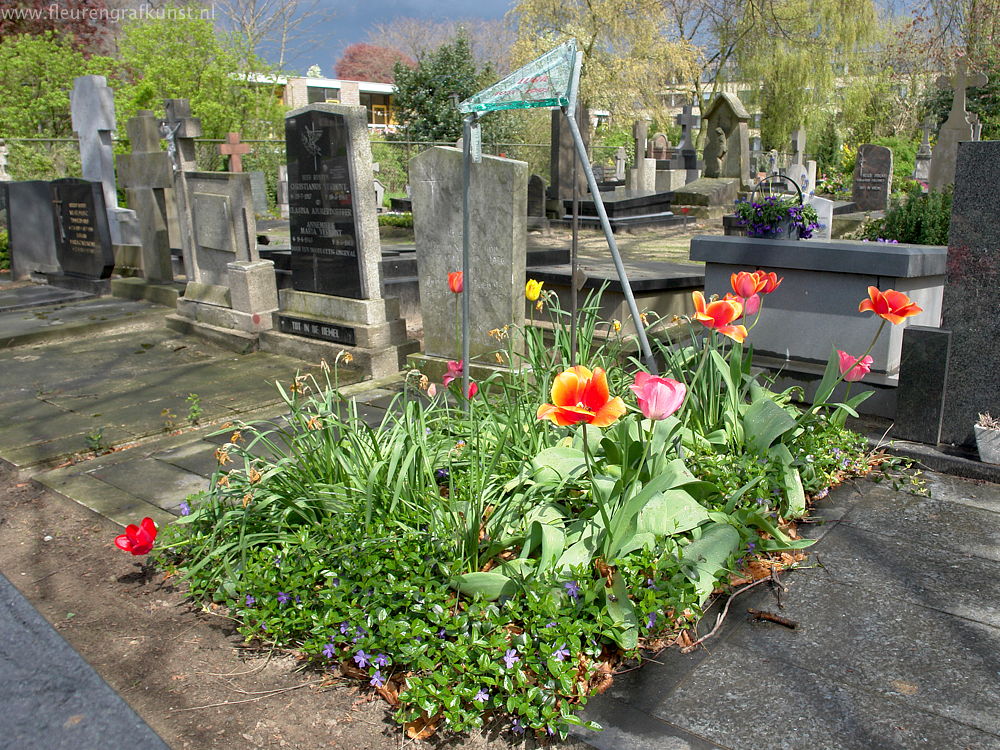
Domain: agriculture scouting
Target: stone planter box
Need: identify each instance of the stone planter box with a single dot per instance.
(988, 443)
(816, 308)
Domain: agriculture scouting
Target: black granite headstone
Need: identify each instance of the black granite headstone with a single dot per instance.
(872, 178)
(923, 382)
(32, 230)
(971, 306)
(83, 239)
(536, 196)
(321, 205)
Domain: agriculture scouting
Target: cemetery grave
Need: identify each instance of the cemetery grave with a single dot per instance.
(582, 456)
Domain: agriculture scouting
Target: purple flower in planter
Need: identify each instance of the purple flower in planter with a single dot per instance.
(510, 658)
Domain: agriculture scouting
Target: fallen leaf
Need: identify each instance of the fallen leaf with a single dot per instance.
(422, 728)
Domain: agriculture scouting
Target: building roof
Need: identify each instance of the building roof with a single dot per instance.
(365, 87)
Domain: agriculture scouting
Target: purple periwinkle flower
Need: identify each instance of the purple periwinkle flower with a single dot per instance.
(751, 546)
(381, 661)
(442, 633)
(263, 626)
(377, 680)
(573, 589)
(551, 625)
(344, 627)
(362, 659)
(284, 598)
(250, 600)
(651, 620)
(561, 653)
(184, 508)
(510, 658)
(517, 727)
(329, 650)
(482, 696)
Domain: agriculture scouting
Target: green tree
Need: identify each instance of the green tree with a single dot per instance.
(184, 57)
(424, 96)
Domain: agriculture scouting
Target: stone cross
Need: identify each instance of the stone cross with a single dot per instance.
(687, 120)
(799, 145)
(184, 129)
(640, 131)
(234, 150)
(922, 163)
(956, 128)
(977, 126)
(4, 175)
(620, 160)
(148, 177)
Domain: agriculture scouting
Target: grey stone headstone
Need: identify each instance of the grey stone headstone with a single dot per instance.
(956, 128)
(727, 150)
(282, 192)
(334, 230)
(923, 383)
(824, 208)
(379, 194)
(184, 129)
(562, 155)
(872, 182)
(258, 187)
(640, 132)
(223, 224)
(497, 197)
(32, 228)
(620, 161)
(971, 305)
(536, 196)
(922, 165)
(83, 239)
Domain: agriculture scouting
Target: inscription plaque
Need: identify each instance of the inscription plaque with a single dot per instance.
(314, 329)
(83, 238)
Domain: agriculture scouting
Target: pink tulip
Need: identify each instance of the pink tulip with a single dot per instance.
(658, 397)
(454, 371)
(852, 368)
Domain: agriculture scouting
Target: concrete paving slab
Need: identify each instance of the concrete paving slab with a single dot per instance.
(154, 481)
(20, 297)
(940, 521)
(52, 699)
(625, 727)
(84, 318)
(100, 497)
(925, 659)
(983, 495)
(197, 458)
(746, 701)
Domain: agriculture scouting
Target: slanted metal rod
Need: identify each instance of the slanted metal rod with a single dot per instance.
(581, 152)
(466, 281)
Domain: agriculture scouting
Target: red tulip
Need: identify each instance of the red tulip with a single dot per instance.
(852, 368)
(454, 371)
(658, 397)
(473, 389)
(137, 539)
(455, 282)
(746, 284)
(579, 395)
(770, 281)
(890, 305)
(720, 315)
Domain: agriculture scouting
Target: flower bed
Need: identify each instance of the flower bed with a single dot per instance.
(492, 558)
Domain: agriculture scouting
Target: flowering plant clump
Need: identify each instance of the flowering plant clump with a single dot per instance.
(777, 214)
(488, 563)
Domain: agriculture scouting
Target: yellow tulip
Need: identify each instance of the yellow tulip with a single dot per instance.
(532, 289)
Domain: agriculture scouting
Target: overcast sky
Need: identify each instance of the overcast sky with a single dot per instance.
(343, 22)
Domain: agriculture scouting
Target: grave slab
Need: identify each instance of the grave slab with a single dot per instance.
(38, 295)
(56, 322)
(52, 698)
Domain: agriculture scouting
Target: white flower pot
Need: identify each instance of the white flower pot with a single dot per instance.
(988, 442)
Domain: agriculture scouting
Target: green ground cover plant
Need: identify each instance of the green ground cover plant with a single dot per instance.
(919, 218)
(487, 559)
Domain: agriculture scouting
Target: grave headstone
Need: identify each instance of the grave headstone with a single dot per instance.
(148, 177)
(621, 159)
(336, 295)
(824, 208)
(282, 192)
(182, 129)
(497, 196)
(922, 165)
(32, 229)
(235, 151)
(643, 175)
(971, 305)
(92, 110)
(83, 238)
(379, 194)
(772, 161)
(923, 384)
(4, 152)
(872, 182)
(536, 196)
(727, 150)
(977, 126)
(258, 187)
(799, 146)
(659, 147)
(956, 128)
(562, 156)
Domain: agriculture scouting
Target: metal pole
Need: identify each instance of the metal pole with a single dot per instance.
(581, 152)
(574, 303)
(466, 181)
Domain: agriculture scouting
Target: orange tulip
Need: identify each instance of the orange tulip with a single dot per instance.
(720, 315)
(890, 305)
(581, 396)
(455, 282)
(746, 284)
